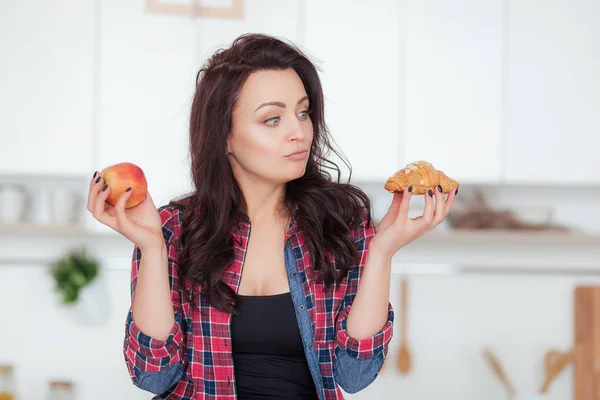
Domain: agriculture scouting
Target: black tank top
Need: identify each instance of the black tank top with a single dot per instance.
(268, 354)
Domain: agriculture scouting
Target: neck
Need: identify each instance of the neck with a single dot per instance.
(264, 202)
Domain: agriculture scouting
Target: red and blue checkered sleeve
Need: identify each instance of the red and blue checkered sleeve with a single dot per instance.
(376, 345)
(146, 356)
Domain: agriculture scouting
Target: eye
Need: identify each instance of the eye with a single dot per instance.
(272, 121)
(303, 114)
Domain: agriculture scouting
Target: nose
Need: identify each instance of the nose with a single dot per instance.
(296, 131)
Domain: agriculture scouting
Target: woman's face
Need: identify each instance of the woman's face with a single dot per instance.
(272, 131)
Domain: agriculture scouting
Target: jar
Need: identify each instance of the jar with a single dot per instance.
(14, 203)
(7, 383)
(61, 390)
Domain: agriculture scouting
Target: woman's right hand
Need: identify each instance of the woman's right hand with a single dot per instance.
(140, 224)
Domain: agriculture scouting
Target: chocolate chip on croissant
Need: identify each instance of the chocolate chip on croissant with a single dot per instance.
(422, 176)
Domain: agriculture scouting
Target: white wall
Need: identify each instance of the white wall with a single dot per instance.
(45, 340)
(451, 319)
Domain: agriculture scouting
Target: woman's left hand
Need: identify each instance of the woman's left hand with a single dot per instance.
(397, 230)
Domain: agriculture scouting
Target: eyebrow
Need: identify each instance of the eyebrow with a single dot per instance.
(278, 103)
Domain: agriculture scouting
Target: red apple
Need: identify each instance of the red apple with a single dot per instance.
(120, 177)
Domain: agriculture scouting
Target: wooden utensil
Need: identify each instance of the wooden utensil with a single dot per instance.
(586, 369)
(554, 362)
(403, 362)
(499, 371)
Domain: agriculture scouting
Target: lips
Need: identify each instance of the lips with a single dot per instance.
(297, 153)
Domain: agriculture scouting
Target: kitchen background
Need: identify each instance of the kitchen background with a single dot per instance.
(502, 95)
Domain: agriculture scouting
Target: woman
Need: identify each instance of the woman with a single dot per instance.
(249, 286)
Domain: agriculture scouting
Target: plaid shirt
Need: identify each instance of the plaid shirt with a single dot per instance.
(195, 361)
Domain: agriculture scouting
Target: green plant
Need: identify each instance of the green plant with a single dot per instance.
(73, 272)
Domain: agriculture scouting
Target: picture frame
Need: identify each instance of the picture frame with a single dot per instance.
(196, 9)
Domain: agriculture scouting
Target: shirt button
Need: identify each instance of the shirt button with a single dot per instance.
(294, 274)
(310, 346)
(301, 307)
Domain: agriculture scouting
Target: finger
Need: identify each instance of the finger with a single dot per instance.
(93, 180)
(99, 206)
(395, 205)
(125, 224)
(95, 186)
(404, 205)
(110, 210)
(440, 206)
(450, 202)
(427, 216)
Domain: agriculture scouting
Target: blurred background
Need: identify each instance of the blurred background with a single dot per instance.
(502, 95)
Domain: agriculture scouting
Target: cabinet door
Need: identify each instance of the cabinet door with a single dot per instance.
(553, 129)
(272, 17)
(147, 73)
(454, 53)
(149, 67)
(46, 81)
(359, 47)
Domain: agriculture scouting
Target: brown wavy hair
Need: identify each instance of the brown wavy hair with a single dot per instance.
(325, 210)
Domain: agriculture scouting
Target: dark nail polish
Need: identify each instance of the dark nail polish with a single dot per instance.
(430, 193)
(104, 188)
(456, 192)
(409, 189)
(95, 173)
(128, 189)
(98, 180)
(440, 189)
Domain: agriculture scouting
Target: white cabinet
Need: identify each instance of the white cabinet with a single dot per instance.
(272, 17)
(487, 91)
(147, 79)
(359, 47)
(553, 125)
(454, 59)
(149, 64)
(46, 86)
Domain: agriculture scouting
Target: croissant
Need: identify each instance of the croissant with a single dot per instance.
(422, 176)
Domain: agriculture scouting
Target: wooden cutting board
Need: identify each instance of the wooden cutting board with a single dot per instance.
(587, 343)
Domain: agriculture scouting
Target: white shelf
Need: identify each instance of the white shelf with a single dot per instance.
(443, 253)
(497, 251)
(29, 244)
(36, 230)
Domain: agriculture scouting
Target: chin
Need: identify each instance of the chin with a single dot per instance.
(293, 175)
